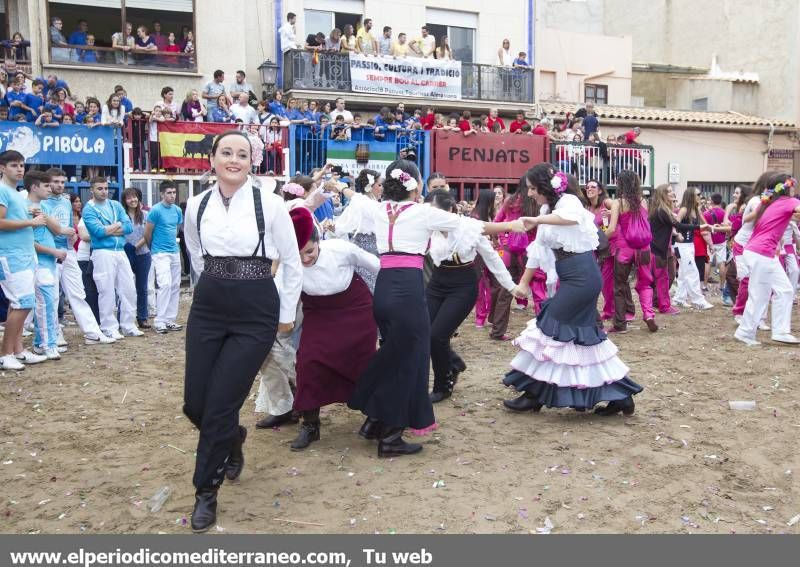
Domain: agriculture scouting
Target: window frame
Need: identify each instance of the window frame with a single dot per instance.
(125, 68)
(595, 98)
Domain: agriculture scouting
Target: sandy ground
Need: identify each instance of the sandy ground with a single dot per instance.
(85, 443)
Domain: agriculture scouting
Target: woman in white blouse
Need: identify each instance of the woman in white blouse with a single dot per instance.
(565, 358)
(234, 231)
(113, 113)
(334, 299)
(393, 390)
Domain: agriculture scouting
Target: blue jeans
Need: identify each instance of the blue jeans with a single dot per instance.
(140, 264)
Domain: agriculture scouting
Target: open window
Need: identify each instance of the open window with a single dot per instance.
(459, 27)
(597, 94)
(159, 33)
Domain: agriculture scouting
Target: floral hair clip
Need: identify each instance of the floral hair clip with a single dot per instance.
(370, 180)
(559, 182)
(779, 189)
(408, 182)
(294, 189)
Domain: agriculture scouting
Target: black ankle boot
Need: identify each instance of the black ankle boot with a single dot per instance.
(523, 403)
(371, 429)
(625, 406)
(235, 464)
(392, 444)
(443, 389)
(276, 420)
(309, 431)
(204, 514)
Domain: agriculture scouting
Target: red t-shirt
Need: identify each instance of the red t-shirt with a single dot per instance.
(464, 125)
(516, 125)
(428, 121)
(540, 130)
(490, 123)
(630, 137)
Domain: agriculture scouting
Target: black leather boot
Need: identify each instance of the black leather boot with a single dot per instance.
(371, 429)
(392, 444)
(523, 403)
(443, 389)
(275, 420)
(235, 464)
(625, 406)
(204, 514)
(309, 431)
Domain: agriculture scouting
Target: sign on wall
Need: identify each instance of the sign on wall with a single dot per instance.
(66, 144)
(674, 173)
(417, 77)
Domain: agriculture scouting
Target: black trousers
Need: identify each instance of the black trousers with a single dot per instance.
(451, 295)
(232, 325)
(90, 288)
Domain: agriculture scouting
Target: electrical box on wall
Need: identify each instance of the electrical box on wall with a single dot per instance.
(674, 173)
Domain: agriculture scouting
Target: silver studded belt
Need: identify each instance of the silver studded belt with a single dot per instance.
(237, 268)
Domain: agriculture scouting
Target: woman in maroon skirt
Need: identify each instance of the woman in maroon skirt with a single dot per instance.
(339, 331)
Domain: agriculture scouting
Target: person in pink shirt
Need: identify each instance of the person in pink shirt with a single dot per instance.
(761, 259)
(715, 216)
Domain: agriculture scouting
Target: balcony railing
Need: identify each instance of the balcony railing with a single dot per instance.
(114, 57)
(331, 72)
(603, 162)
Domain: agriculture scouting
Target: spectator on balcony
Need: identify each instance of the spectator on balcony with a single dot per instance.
(495, 119)
(123, 44)
(93, 115)
(313, 113)
(241, 86)
(521, 62)
(444, 52)
(78, 37)
(340, 111)
(159, 38)
(465, 124)
(340, 131)
(288, 35)
(516, 126)
(333, 42)
(276, 105)
(113, 113)
(19, 44)
(89, 55)
(385, 42)
(168, 102)
(452, 124)
(188, 49)
(438, 122)
(59, 51)
(53, 105)
(273, 145)
(400, 48)
(428, 120)
(53, 83)
(80, 112)
(504, 57)
(590, 122)
(126, 103)
(46, 119)
(221, 112)
(425, 45)
(171, 47)
(213, 90)
(155, 117)
(192, 110)
(18, 103)
(632, 136)
(347, 43)
(145, 47)
(242, 110)
(365, 41)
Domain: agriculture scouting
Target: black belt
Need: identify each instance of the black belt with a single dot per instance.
(238, 268)
(562, 254)
(452, 265)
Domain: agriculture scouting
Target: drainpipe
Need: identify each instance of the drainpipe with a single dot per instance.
(278, 50)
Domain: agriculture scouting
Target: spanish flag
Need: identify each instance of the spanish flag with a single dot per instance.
(187, 145)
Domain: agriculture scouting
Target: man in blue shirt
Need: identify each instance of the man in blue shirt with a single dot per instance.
(78, 37)
(107, 224)
(124, 101)
(161, 234)
(70, 278)
(17, 261)
(52, 83)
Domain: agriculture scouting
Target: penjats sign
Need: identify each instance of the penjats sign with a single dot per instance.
(487, 156)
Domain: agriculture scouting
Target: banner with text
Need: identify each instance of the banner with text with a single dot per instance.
(355, 156)
(428, 78)
(66, 144)
(187, 145)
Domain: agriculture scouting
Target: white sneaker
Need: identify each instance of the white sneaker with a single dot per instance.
(762, 326)
(60, 340)
(28, 357)
(10, 362)
(786, 338)
(738, 319)
(161, 330)
(100, 339)
(704, 306)
(116, 335)
(133, 333)
(26, 333)
(680, 303)
(44, 351)
(174, 327)
(52, 354)
(746, 340)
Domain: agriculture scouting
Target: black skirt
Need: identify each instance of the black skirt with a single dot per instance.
(394, 387)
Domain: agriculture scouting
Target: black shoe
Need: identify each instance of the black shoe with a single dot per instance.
(523, 403)
(309, 432)
(443, 389)
(458, 364)
(371, 429)
(143, 324)
(235, 464)
(392, 444)
(625, 406)
(204, 514)
(275, 420)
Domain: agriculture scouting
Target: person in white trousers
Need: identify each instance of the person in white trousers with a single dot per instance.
(768, 280)
(688, 277)
(69, 273)
(161, 234)
(107, 223)
(791, 241)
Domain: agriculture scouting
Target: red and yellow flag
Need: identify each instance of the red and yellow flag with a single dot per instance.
(187, 145)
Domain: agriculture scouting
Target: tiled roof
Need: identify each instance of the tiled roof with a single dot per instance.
(649, 114)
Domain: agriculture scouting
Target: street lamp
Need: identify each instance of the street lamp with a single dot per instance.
(269, 76)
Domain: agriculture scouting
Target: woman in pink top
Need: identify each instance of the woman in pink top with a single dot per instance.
(630, 227)
(767, 277)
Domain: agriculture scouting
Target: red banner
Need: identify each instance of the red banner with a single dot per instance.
(486, 156)
(187, 145)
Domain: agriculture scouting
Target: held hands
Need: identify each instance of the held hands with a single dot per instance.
(285, 328)
(521, 292)
(39, 220)
(60, 254)
(529, 223)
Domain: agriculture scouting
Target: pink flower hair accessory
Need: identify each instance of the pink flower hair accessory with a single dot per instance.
(559, 182)
(294, 189)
